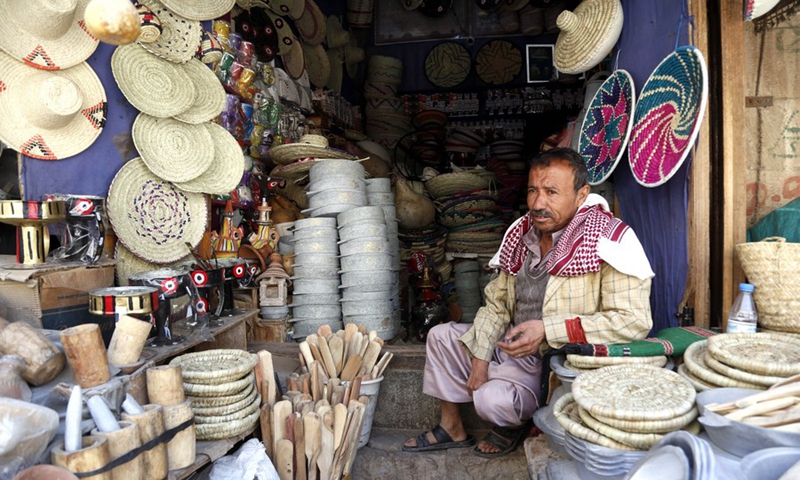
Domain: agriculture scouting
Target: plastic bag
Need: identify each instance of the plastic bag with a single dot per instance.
(25, 431)
(248, 463)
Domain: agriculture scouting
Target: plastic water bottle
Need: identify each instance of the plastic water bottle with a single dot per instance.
(743, 316)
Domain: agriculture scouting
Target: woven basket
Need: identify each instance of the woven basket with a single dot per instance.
(449, 183)
(772, 265)
(694, 359)
(211, 402)
(215, 367)
(661, 426)
(225, 409)
(218, 431)
(587, 361)
(230, 417)
(566, 412)
(221, 390)
(761, 353)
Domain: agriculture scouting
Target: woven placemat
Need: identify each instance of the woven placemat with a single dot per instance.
(498, 62)
(230, 417)
(226, 409)
(634, 392)
(658, 426)
(588, 361)
(215, 367)
(218, 431)
(699, 385)
(761, 353)
(212, 402)
(566, 412)
(223, 389)
(737, 374)
(447, 65)
(694, 359)
(639, 441)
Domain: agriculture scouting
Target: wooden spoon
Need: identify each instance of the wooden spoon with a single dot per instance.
(300, 472)
(336, 346)
(280, 412)
(312, 431)
(339, 424)
(284, 459)
(327, 358)
(370, 357)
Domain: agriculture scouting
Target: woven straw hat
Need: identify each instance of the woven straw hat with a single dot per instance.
(312, 25)
(587, 35)
(286, 38)
(315, 146)
(205, 10)
(129, 264)
(293, 8)
(335, 59)
(50, 115)
(225, 171)
(353, 55)
(180, 37)
(318, 64)
(46, 34)
(337, 36)
(153, 218)
(294, 61)
(171, 149)
(152, 85)
(209, 98)
(359, 13)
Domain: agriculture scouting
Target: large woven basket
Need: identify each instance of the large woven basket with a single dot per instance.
(772, 265)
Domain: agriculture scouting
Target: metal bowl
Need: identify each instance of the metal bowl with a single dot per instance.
(378, 287)
(370, 214)
(335, 167)
(379, 185)
(356, 294)
(317, 311)
(315, 245)
(316, 260)
(367, 261)
(364, 245)
(313, 271)
(380, 199)
(359, 230)
(384, 325)
(336, 182)
(381, 308)
(304, 327)
(327, 286)
(315, 299)
(367, 277)
(330, 211)
(339, 196)
(314, 232)
(313, 222)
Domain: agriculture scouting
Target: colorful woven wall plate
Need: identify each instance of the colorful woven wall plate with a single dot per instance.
(607, 126)
(498, 62)
(447, 65)
(668, 116)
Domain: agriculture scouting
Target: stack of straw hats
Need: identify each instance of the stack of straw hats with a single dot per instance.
(430, 241)
(627, 407)
(370, 281)
(743, 360)
(221, 387)
(386, 119)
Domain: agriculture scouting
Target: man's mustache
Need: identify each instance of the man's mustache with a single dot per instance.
(541, 213)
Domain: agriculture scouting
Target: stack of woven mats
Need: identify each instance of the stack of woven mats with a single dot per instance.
(744, 360)
(627, 407)
(431, 241)
(221, 387)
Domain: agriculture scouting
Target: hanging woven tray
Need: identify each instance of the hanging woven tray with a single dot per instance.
(588, 361)
(225, 409)
(761, 353)
(566, 412)
(639, 441)
(694, 359)
(215, 367)
(634, 392)
(659, 426)
(202, 390)
(736, 374)
(210, 402)
(230, 417)
(698, 384)
(218, 431)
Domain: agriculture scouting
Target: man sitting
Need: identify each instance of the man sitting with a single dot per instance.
(569, 273)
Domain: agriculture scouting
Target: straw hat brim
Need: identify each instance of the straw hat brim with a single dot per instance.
(335, 58)
(353, 55)
(153, 85)
(225, 171)
(153, 218)
(180, 37)
(598, 28)
(209, 99)
(290, 152)
(286, 38)
(312, 25)
(72, 48)
(19, 132)
(318, 64)
(129, 264)
(173, 150)
(294, 61)
(205, 10)
(292, 8)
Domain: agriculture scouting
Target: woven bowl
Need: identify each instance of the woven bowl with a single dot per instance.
(215, 367)
(210, 402)
(244, 412)
(220, 390)
(760, 353)
(218, 431)
(566, 412)
(225, 409)
(694, 359)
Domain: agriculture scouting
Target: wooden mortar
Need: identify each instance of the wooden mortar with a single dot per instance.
(86, 354)
(165, 385)
(93, 456)
(181, 449)
(130, 335)
(151, 425)
(121, 442)
(43, 360)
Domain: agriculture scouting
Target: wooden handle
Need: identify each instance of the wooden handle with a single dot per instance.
(266, 371)
(351, 368)
(280, 412)
(299, 450)
(266, 429)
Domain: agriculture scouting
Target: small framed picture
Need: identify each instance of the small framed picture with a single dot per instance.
(540, 64)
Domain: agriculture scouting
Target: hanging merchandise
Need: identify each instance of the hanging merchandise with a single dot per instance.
(607, 126)
(293, 8)
(149, 25)
(209, 98)
(312, 24)
(435, 8)
(173, 150)
(359, 13)
(256, 27)
(353, 55)
(318, 64)
(335, 59)
(294, 61)
(448, 65)
(286, 37)
(152, 218)
(756, 8)
(50, 115)
(205, 10)
(225, 171)
(587, 35)
(668, 115)
(113, 21)
(129, 264)
(180, 37)
(498, 62)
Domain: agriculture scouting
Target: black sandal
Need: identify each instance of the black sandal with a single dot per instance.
(507, 439)
(443, 441)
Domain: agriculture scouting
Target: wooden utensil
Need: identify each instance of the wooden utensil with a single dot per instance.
(316, 382)
(280, 412)
(266, 429)
(351, 368)
(305, 350)
(327, 358)
(324, 330)
(377, 371)
(336, 346)
(339, 424)
(325, 459)
(360, 410)
(284, 459)
(312, 432)
(332, 384)
(354, 348)
(300, 472)
(338, 394)
(370, 357)
(266, 371)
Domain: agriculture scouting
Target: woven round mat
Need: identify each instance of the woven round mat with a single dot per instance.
(175, 151)
(566, 412)
(225, 172)
(212, 402)
(639, 441)
(220, 390)
(737, 374)
(694, 359)
(498, 62)
(659, 426)
(226, 409)
(569, 366)
(214, 367)
(699, 385)
(760, 353)
(129, 264)
(218, 431)
(244, 412)
(587, 361)
(180, 37)
(450, 183)
(668, 115)
(607, 126)
(447, 65)
(634, 392)
(209, 99)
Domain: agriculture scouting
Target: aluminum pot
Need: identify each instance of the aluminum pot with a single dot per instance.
(272, 313)
(315, 272)
(356, 294)
(313, 222)
(367, 277)
(382, 308)
(338, 196)
(329, 210)
(379, 185)
(364, 245)
(378, 287)
(367, 261)
(359, 230)
(315, 232)
(315, 245)
(315, 299)
(380, 199)
(336, 182)
(304, 327)
(371, 214)
(316, 260)
(316, 311)
(327, 286)
(333, 167)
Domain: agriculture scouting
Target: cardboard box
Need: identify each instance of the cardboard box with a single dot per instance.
(54, 297)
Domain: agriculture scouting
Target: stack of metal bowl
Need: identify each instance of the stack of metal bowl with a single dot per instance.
(379, 193)
(369, 279)
(335, 186)
(315, 300)
(468, 292)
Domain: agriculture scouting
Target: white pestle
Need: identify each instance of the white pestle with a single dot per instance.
(72, 427)
(102, 415)
(131, 406)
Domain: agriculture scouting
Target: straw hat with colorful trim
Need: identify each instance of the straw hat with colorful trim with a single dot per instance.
(286, 38)
(151, 84)
(50, 115)
(225, 171)
(318, 64)
(205, 10)
(312, 25)
(46, 34)
(587, 35)
(153, 218)
(294, 61)
(180, 37)
(315, 146)
(293, 8)
(171, 149)
(209, 99)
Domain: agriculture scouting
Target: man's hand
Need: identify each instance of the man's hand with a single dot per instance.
(479, 374)
(524, 339)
